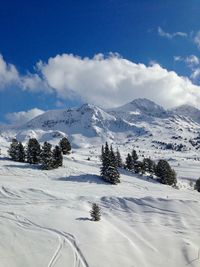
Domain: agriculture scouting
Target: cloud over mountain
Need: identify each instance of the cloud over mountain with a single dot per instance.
(113, 80)
(105, 81)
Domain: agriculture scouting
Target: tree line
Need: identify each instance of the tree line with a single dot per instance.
(112, 161)
(45, 155)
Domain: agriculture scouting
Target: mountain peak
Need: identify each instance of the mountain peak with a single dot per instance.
(141, 107)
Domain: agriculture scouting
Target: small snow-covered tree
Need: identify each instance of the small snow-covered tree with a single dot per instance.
(65, 146)
(95, 212)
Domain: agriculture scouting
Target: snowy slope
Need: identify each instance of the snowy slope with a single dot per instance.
(188, 111)
(44, 217)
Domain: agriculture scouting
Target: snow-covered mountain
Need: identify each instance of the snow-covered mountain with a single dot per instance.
(140, 108)
(188, 111)
(141, 120)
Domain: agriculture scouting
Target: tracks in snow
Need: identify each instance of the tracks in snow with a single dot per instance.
(63, 238)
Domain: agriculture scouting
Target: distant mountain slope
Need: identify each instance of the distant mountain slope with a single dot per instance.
(188, 111)
(141, 120)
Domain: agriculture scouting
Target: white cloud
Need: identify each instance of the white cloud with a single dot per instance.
(168, 35)
(191, 61)
(8, 73)
(23, 116)
(113, 81)
(104, 81)
(195, 74)
(197, 39)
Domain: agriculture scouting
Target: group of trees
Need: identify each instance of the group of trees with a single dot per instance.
(111, 161)
(162, 169)
(33, 153)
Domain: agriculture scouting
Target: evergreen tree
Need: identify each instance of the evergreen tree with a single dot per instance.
(20, 152)
(118, 159)
(112, 175)
(129, 162)
(46, 157)
(113, 161)
(57, 157)
(105, 158)
(65, 146)
(148, 166)
(134, 156)
(108, 169)
(95, 212)
(166, 174)
(33, 151)
(13, 149)
(139, 167)
(197, 185)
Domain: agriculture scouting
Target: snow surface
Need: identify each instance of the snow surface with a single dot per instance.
(44, 215)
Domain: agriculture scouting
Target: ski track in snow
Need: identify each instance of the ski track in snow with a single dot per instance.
(63, 237)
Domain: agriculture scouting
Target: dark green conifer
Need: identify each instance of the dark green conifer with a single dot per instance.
(118, 159)
(129, 162)
(13, 149)
(33, 151)
(65, 146)
(166, 174)
(95, 212)
(46, 157)
(57, 157)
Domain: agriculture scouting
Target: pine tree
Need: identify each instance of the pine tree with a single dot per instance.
(57, 157)
(65, 146)
(129, 162)
(20, 152)
(149, 166)
(118, 159)
(95, 212)
(13, 149)
(33, 151)
(46, 157)
(134, 156)
(108, 169)
(105, 158)
(166, 174)
(139, 167)
(113, 161)
(197, 185)
(112, 175)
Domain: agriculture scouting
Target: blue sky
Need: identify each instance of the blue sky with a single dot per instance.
(37, 38)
